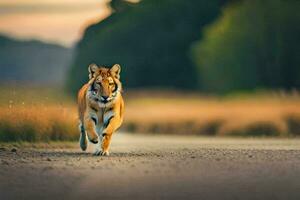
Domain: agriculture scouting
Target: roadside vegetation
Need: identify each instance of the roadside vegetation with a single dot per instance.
(36, 114)
(260, 114)
(40, 114)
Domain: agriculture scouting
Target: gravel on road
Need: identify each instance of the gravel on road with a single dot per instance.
(154, 167)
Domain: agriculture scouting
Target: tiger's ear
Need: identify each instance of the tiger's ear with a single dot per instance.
(92, 69)
(115, 70)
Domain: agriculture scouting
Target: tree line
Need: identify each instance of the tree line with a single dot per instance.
(215, 46)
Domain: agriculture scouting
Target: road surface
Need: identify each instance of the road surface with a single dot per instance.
(155, 167)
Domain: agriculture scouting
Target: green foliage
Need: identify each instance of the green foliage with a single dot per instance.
(150, 40)
(255, 44)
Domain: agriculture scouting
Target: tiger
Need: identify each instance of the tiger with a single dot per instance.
(100, 107)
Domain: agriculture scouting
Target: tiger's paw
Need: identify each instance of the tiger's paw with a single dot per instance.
(97, 152)
(83, 142)
(104, 153)
(101, 153)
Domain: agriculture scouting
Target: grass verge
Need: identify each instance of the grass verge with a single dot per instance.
(33, 116)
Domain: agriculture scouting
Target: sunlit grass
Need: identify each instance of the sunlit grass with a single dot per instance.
(36, 114)
(37, 123)
(39, 114)
(261, 114)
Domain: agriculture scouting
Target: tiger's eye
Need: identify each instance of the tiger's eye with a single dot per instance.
(99, 78)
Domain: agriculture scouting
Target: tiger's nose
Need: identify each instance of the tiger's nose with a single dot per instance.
(104, 98)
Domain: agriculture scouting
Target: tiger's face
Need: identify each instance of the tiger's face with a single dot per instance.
(105, 84)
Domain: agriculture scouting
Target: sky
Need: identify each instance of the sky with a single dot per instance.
(56, 21)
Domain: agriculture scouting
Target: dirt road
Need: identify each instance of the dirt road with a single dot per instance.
(155, 167)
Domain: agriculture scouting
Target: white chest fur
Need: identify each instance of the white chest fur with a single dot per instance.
(107, 116)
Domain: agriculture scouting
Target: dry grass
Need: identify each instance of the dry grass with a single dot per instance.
(38, 123)
(267, 114)
(35, 114)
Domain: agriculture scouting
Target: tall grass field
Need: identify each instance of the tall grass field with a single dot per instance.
(36, 114)
(43, 114)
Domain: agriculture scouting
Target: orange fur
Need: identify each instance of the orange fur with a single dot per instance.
(100, 107)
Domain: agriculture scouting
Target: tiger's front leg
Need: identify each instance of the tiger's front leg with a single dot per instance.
(102, 148)
(110, 126)
(105, 144)
(90, 127)
(98, 148)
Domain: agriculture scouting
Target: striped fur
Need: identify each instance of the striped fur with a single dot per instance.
(100, 107)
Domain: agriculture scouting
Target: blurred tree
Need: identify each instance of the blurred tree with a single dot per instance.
(254, 44)
(150, 39)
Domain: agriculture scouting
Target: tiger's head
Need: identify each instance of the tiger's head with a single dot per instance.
(105, 84)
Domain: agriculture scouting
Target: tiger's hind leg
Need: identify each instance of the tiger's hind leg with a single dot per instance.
(83, 137)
